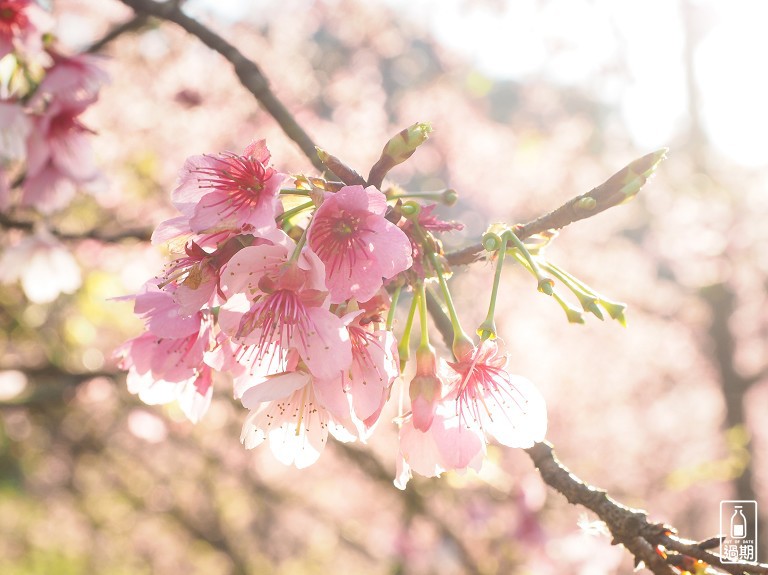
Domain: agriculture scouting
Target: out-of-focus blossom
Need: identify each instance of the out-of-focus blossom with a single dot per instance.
(507, 407)
(357, 244)
(14, 130)
(44, 266)
(59, 155)
(48, 191)
(72, 79)
(58, 137)
(5, 190)
(22, 25)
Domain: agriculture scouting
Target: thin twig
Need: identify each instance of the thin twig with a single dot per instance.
(249, 73)
(620, 187)
(131, 25)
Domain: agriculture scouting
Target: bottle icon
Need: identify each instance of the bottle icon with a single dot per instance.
(738, 524)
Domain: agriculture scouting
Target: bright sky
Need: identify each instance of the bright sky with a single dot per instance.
(643, 40)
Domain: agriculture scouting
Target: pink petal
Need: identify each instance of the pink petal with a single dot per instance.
(519, 423)
(273, 387)
(327, 350)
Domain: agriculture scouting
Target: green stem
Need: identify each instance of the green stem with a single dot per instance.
(299, 246)
(487, 329)
(295, 192)
(392, 307)
(545, 283)
(293, 211)
(458, 334)
(424, 342)
(404, 346)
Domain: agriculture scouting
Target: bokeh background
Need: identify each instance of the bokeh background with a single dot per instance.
(533, 102)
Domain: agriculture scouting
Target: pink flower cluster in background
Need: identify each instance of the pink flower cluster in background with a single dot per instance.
(293, 311)
(45, 151)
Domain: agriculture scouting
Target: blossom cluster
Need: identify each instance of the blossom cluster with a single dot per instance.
(45, 152)
(294, 301)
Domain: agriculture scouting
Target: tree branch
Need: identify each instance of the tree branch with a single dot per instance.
(144, 235)
(655, 544)
(617, 189)
(249, 73)
(130, 25)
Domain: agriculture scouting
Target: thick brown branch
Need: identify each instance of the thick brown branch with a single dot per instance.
(249, 73)
(630, 527)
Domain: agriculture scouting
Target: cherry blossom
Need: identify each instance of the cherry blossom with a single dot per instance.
(14, 130)
(447, 445)
(229, 193)
(368, 380)
(58, 154)
(44, 265)
(287, 308)
(167, 369)
(427, 221)
(508, 407)
(285, 409)
(163, 315)
(357, 244)
(22, 25)
(72, 79)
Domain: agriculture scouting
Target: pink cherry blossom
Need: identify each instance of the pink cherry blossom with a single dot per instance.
(166, 369)
(229, 192)
(72, 79)
(357, 244)
(48, 191)
(14, 130)
(285, 409)
(44, 265)
(22, 25)
(163, 315)
(193, 279)
(275, 305)
(58, 137)
(447, 445)
(507, 407)
(367, 382)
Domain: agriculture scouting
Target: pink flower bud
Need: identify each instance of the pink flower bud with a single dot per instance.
(425, 388)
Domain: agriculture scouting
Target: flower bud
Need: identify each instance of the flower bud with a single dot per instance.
(398, 149)
(425, 389)
(404, 144)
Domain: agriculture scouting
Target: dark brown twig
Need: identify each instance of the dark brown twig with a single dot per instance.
(130, 25)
